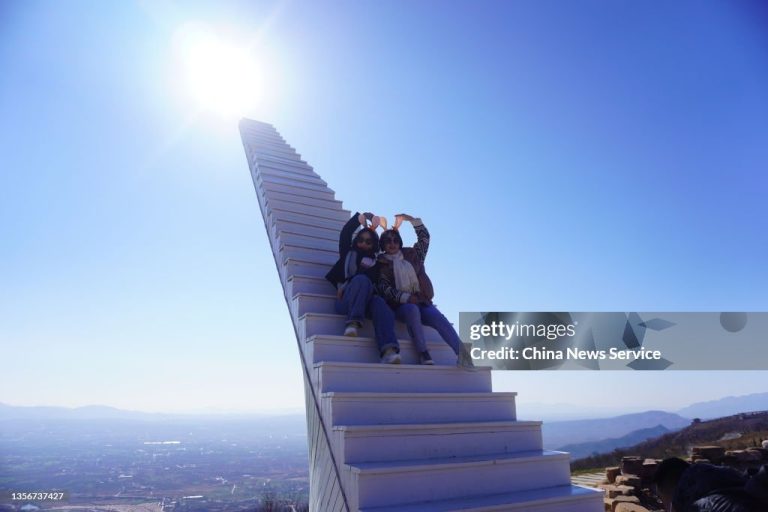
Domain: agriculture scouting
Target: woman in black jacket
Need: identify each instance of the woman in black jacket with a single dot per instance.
(354, 275)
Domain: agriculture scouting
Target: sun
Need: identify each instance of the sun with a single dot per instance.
(218, 75)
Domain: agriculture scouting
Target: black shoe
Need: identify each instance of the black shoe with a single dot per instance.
(425, 358)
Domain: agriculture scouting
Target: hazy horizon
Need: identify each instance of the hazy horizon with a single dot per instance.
(553, 411)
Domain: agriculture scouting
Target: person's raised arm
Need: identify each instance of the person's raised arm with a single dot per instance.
(348, 232)
(422, 235)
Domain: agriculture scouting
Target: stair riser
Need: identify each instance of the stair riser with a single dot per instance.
(591, 503)
(302, 214)
(398, 379)
(312, 325)
(394, 411)
(355, 351)
(594, 504)
(309, 247)
(307, 209)
(314, 256)
(313, 304)
(295, 161)
(294, 176)
(309, 242)
(274, 149)
(416, 486)
(320, 203)
(306, 285)
(280, 228)
(304, 268)
(282, 164)
(296, 191)
(269, 135)
(402, 446)
(305, 220)
(271, 145)
(257, 143)
(293, 184)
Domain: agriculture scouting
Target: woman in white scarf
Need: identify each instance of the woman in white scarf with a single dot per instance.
(408, 290)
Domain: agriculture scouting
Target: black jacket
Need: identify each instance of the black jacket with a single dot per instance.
(708, 488)
(337, 275)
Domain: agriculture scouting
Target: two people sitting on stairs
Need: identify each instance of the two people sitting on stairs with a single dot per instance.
(388, 285)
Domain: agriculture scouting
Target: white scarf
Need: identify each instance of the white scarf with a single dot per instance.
(405, 275)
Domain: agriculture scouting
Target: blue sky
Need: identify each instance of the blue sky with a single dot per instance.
(605, 156)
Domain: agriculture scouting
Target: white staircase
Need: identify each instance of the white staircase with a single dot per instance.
(403, 437)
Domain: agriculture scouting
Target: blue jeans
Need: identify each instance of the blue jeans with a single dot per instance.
(416, 315)
(359, 302)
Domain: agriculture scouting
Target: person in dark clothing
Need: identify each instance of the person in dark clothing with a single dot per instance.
(667, 477)
(700, 487)
(757, 486)
(354, 276)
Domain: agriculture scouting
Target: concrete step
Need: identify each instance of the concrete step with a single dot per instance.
(326, 347)
(303, 177)
(308, 242)
(263, 145)
(445, 478)
(266, 138)
(284, 152)
(309, 284)
(275, 162)
(269, 186)
(329, 211)
(306, 225)
(305, 243)
(291, 198)
(293, 266)
(386, 443)
(313, 303)
(399, 378)
(286, 157)
(310, 189)
(275, 214)
(349, 408)
(312, 323)
(280, 227)
(259, 129)
(298, 174)
(314, 255)
(563, 498)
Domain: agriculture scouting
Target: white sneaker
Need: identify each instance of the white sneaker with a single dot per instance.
(390, 357)
(351, 329)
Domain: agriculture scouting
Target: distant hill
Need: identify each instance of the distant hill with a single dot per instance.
(732, 432)
(15, 418)
(726, 406)
(561, 433)
(581, 450)
(567, 412)
(8, 412)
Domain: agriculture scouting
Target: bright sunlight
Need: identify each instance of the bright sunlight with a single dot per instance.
(220, 76)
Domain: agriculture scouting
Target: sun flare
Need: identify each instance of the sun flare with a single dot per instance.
(218, 75)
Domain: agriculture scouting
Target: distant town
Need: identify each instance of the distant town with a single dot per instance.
(133, 465)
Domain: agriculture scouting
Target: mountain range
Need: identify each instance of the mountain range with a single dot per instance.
(581, 437)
